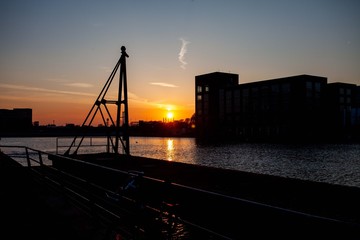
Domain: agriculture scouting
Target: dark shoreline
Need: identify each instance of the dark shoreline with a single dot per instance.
(199, 141)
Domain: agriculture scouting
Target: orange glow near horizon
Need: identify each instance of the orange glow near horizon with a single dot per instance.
(60, 113)
(65, 107)
(77, 115)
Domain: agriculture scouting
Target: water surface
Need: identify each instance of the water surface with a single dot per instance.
(333, 163)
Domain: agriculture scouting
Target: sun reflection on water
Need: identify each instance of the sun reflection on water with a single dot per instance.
(170, 150)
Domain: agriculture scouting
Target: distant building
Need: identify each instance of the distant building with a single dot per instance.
(18, 119)
(36, 124)
(295, 108)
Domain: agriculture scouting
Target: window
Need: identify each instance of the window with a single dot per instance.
(309, 85)
(254, 91)
(198, 89)
(221, 103)
(245, 99)
(285, 88)
(228, 101)
(275, 88)
(198, 110)
(237, 100)
(199, 104)
(309, 89)
(206, 88)
(206, 103)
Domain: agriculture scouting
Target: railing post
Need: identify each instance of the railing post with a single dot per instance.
(27, 157)
(57, 143)
(40, 158)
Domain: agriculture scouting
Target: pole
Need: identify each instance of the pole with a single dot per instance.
(120, 101)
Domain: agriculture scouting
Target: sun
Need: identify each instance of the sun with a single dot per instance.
(169, 115)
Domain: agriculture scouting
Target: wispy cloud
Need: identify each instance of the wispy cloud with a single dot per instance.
(140, 101)
(27, 88)
(183, 51)
(145, 102)
(80, 85)
(132, 96)
(105, 69)
(164, 84)
(57, 80)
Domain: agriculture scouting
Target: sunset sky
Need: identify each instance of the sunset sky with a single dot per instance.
(55, 56)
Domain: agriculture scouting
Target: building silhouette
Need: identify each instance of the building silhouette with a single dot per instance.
(295, 108)
(17, 119)
(343, 108)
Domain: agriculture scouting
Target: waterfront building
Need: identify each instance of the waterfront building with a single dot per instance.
(208, 89)
(294, 108)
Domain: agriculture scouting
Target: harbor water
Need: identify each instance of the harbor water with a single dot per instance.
(331, 163)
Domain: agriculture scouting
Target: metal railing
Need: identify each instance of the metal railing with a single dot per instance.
(26, 156)
(112, 206)
(87, 142)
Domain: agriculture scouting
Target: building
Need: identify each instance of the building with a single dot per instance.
(294, 108)
(17, 119)
(209, 90)
(343, 109)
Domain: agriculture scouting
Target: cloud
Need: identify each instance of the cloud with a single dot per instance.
(164, 84)
(57, 80)
(145, 102)
(136, 98)
(183, 51)
(81, 85)
(106, 69)
(139, 101)
(26, 88)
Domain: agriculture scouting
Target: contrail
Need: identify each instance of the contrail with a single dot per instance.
(182, 52)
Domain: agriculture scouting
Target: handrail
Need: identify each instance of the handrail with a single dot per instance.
(27, 154)
(73, 143)
(71, 184)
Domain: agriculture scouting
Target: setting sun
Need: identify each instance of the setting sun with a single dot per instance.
(170, 115)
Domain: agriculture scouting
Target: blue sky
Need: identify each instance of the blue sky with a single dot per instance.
(58, 54)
